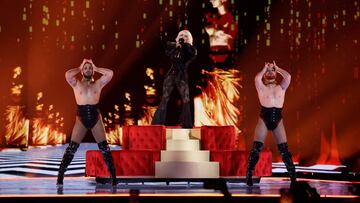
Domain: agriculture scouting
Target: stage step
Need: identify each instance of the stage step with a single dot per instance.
(182, 134)
(182, 145)
(186, 156)
(195, 133)
(177, 134)
(182, 169)
(183, 158)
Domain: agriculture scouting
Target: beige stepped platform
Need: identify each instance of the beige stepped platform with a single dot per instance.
(183, 157)
(181, 134)
(182, 145)
(182, 169)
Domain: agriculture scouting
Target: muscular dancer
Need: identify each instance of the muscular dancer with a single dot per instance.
(87, 95)
(181, 53)
(271, 96)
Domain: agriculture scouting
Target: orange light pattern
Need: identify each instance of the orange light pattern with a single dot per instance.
(45, 125)
(40, 132)
(329, 153)
(150, 90)
(52, 136)
(16, 88)
(112, 119)
(113, 128)
(218, 103)
(128, 110)
(148, 114)
(114, 136)
(17, 128)
(127, 106)
(304, 35)
(148, 110)
(150, 87)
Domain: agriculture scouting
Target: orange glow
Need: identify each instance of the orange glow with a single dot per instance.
(149, 112)
(40, 132)
(113, 129)
(114, 136)
(218, 103)
(129, 121)
(45, 126)
(39, 96)
(150, 73)
(39, 107)
(127, 106)
(150, 90)
(17, 72)
(51, 116)
(16, 90)
(329, 153)
(52, 136)
(127, 96)
(17, 128)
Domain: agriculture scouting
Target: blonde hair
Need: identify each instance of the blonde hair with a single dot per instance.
(188, 33)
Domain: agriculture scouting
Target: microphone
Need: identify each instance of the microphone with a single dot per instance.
(181, 42)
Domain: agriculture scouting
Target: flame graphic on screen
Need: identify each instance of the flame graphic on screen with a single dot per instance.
(17, 127)
(148, 114)
(114, 136)
(218, 103)
(40, 132)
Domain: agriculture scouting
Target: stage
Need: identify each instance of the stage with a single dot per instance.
(31, 175)
(191, 95)
(84, 189)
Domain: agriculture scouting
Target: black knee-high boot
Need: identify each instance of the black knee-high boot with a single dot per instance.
(67, 158)
(252, 160)
(287, 159)
(106, 153)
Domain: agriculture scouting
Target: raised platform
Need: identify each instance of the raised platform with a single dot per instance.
(206, 152)
(183, 157)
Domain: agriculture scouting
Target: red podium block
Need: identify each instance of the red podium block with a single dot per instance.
(141, 149)
(220, 141)
(142, 146)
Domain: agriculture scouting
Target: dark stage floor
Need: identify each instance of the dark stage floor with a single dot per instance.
(83, 185)
(41, 188)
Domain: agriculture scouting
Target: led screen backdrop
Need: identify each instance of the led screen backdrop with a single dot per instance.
(316, 41)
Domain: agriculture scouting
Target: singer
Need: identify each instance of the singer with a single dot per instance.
(181, 53)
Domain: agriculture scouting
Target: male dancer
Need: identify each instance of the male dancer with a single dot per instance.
(271, 96)
(87, 95)
(181, 53)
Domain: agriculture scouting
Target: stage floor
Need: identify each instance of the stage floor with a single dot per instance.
(44, 162)
(32, 173)
(268, 186)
